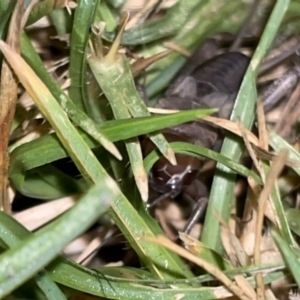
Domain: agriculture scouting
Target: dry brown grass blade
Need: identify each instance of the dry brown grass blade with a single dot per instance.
(63, 3)
(142, 63)
(155, 110)
(112, 53)
(250, 217)
(290, 114)
(142, 14)
(249, 147)
(27, 12)
(226, 124)
(269, 211)
(194, 246)
(273, 174)
(270, 156)
(234, 128)
(172, 46)
(211, 269)
(8, 100)
(90, 251)
(39, 215)
(262, 128)
(245, 286)
(233, 247)
(231, 244)
(236, 253)
(269, 294)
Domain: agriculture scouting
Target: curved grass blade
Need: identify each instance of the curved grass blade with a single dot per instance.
(48, 148)
(201, 151)
(125, 216)
(70, 274)
(90, 282)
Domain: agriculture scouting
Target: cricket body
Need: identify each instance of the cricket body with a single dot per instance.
(213, 84)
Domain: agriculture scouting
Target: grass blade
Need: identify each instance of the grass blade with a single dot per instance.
(224, 180)
(125, 216)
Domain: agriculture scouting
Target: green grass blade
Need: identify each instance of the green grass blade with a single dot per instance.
(278, 143)
(117, 83)
(223, 185)
(125, 216)
(61, 20)
(70, 274)
(39, 10)
(189, 39)
(48, 149)
(38, 250)
(83, 17)
(290, 258)
(293, 219)
(74, 113)
(110, 78)
(201, 151)
(104, 14)
(92, 282)
(169, 25)
(12, 233)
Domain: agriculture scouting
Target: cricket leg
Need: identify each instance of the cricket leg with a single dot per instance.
(196, 193)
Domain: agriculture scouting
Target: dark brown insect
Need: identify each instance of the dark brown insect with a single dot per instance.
(213, 84)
